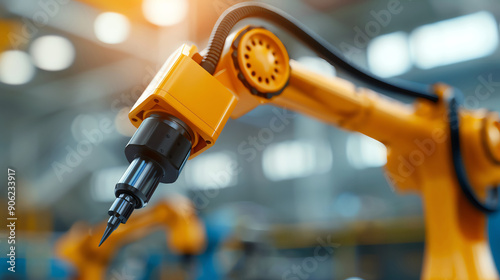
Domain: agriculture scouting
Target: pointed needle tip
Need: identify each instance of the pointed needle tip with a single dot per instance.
(106, 234)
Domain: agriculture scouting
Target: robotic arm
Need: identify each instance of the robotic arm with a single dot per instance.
(434, 147)
(186, 236)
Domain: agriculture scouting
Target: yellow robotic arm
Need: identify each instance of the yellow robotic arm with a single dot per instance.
(434, 148)
(186, 235)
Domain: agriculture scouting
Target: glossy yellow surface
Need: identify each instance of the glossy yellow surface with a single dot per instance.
(492, 130)
(186, 235)
(183, 88)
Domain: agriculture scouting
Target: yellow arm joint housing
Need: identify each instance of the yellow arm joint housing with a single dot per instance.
(184, 89)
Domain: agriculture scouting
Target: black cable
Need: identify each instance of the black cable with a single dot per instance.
(458, 161)
(321, 47)
(324, 50)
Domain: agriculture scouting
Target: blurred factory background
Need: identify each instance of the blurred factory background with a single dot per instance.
(71, 69)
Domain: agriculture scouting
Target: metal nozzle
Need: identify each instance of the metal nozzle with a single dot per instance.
(157, 152)
(120, 211)
(134, 190)
(113, 224)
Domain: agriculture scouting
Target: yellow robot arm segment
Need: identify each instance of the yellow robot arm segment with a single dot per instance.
(254, 69)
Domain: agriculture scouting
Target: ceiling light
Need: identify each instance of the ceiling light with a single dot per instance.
(296, 159)
(365, 152)
(211, 171)
(455, 40)
(165, 12)
(52, 53)
(389, 55)
(16, 67)
(111, 28)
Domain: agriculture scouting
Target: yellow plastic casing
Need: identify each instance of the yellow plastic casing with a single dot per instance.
(184, 89)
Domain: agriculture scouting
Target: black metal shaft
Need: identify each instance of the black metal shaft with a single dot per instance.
(140, 180)
(157, 153)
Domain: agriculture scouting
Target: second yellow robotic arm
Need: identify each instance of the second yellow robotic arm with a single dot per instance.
(176, 216)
